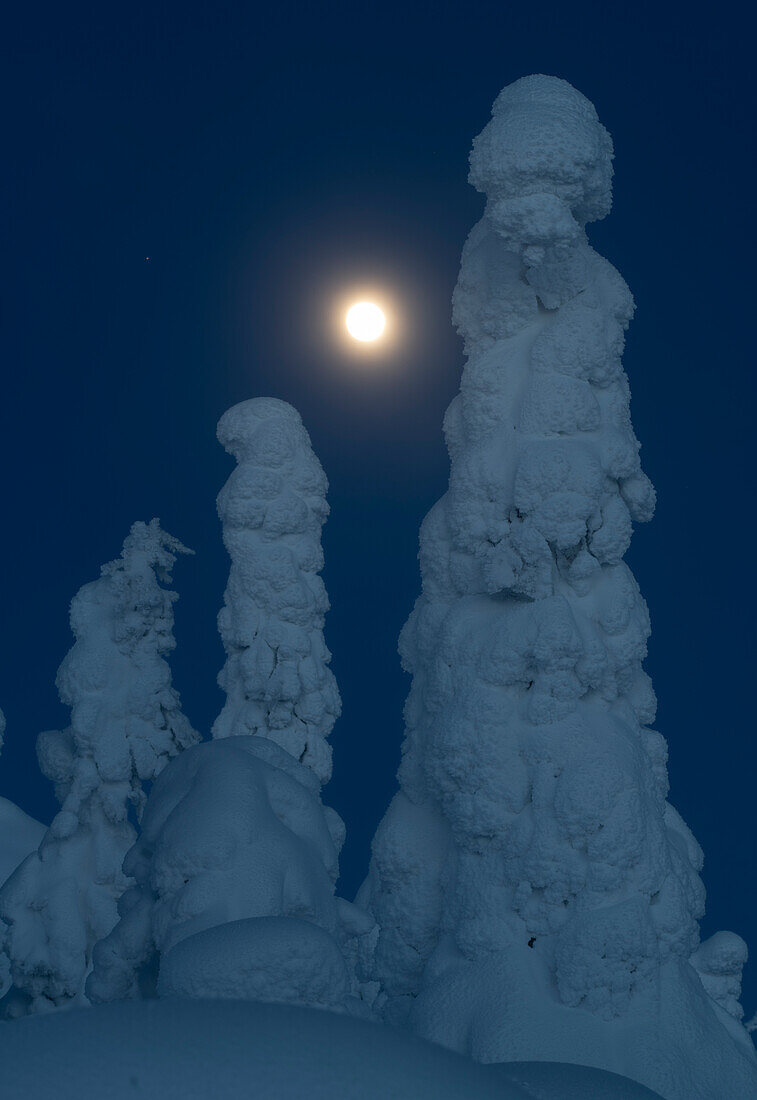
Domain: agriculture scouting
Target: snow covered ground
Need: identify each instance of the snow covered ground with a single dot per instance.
(564, 1081)
(193, 1050)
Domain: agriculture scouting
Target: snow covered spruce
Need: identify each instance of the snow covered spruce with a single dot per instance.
(126, 722)
(19, 835)
(276, 677)
(237, 858)
(537, 896)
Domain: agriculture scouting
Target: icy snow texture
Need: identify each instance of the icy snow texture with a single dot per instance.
(192, 1050)
(235, 869)
(126, 722)
(537, 896)
(276, 677)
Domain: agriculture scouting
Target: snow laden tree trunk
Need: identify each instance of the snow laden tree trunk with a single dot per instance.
(537, 896)
(237, 860)
(276, 677)
(126, 723)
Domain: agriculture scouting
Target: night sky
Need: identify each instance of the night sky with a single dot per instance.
(267, 162)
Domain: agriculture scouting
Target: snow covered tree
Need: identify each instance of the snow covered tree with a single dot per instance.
(126, 723)
(235, 868)
(237, 858)
(537, 896)
(276, 677)
(19, 835)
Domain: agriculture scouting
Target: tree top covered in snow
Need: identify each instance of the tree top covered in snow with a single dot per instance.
(544, 137)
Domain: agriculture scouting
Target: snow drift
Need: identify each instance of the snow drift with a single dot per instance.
(191, 1050)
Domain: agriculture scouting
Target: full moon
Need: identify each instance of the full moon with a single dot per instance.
(365, 321)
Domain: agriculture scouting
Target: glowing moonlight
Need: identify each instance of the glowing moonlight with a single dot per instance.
(365, 321)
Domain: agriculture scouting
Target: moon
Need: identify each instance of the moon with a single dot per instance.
(365, 321)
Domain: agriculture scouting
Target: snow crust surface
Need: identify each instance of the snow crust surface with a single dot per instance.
(126, 722)
(191, 1050)
(537, 896)
(276, 677)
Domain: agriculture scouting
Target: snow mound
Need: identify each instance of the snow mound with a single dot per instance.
(512, 1013)
(191, 1050)
(234, 829)
(263, 959)
(19, 835)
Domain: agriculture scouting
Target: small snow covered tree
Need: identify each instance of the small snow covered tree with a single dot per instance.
(19, 835)
(235, 868)
(276, 677)
(126, 723)
(237, 859)
(537, 896)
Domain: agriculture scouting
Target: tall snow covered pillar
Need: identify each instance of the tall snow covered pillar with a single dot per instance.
(276, 677)
(537, 896)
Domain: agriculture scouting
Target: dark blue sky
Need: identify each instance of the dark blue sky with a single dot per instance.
(266, 161)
